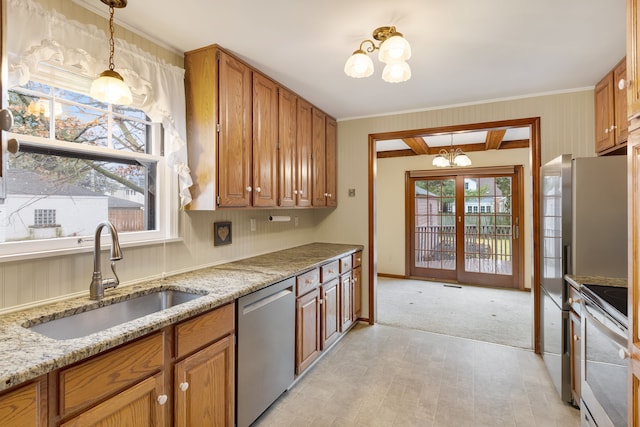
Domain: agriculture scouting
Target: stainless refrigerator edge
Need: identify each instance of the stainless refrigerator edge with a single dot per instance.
(583, 232)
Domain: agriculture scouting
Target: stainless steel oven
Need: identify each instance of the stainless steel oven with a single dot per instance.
(604, 356)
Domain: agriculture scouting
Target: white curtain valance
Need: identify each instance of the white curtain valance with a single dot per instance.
(38, 35)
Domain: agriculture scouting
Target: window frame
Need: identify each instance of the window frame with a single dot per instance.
(166, 182)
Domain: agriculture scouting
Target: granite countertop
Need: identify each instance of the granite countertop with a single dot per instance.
(577, 280)
(26, 354)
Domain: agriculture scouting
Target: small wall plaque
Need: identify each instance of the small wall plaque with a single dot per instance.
(221, 233)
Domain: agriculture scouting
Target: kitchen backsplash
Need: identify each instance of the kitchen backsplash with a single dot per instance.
(23, 283)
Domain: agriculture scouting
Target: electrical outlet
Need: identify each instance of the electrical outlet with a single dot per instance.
(252, 223)
(352, 192)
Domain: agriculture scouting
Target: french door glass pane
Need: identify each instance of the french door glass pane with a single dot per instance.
(435, 226)
(488, 229)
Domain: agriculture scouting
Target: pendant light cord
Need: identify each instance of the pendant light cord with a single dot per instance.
(111, 41)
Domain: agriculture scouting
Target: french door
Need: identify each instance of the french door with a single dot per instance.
(464, 226)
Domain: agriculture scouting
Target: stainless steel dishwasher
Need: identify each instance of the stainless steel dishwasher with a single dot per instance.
(266, 349)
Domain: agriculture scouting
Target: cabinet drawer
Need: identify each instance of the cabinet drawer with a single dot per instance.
(356, 259)
(101, 376)
(307, 281)
(329, 271)
(202, 330)
(345, 264)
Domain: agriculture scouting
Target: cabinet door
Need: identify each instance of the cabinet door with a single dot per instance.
(319, 167)
(575, 332)
(620, 99)
(346, 301)
(307, 329)
(234, 136)
(136, 406)
(357, 292)
(304, 146)
(330, 312)
(633, 58)
(604, 114)
(204, 387)
(265, 141)
(25, 406)
(287, 111)
(331, 162)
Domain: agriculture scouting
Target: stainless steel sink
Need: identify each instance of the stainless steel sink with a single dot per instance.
(96, 320)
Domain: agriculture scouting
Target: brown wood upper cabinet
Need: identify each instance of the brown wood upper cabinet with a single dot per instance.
(611, 110)
(265, 142)
(251, 141)
(324, 130)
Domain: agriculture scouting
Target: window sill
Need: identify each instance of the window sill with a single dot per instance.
(87, 247)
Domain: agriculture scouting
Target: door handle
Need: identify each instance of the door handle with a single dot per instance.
(6, 120)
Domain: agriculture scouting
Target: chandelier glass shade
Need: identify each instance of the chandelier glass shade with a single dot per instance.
(359, 65)
(394, 50)
(110, 87)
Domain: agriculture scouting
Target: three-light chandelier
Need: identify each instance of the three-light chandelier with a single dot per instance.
(451, 158)
(394, 50)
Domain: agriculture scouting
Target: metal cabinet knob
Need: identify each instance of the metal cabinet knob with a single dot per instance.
(249, 189)
(258, 189)
(184, 386)
(162, 399)
(576, 337)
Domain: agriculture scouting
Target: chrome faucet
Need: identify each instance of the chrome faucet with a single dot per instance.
(98, 284)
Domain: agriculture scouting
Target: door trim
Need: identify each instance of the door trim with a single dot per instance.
(535, 156)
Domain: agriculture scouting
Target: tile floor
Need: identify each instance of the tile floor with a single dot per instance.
(389, 376)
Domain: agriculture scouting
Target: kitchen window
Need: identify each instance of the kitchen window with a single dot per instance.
(81, 162)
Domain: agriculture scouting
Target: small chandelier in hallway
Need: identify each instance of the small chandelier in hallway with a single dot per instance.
(451, 158)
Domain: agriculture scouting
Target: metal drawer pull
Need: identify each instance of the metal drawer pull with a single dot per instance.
(184, 386)
(162, 399)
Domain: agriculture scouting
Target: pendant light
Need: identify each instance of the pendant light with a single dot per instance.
(110, 87)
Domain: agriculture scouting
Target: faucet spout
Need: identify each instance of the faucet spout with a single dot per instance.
(98, 284)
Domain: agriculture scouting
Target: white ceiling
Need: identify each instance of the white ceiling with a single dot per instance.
(464, 51)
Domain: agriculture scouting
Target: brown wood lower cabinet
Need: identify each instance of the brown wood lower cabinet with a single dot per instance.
(330, 320)
(199, 382)
(327, 305)
(132, 385)
(139, 405)
(307, 329)
(25, 405)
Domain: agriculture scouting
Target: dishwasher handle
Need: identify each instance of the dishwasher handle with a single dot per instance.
(248, 308)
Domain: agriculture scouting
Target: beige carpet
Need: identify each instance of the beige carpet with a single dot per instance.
(500, 316)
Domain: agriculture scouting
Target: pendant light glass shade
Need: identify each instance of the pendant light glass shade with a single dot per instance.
(396, 72)
(359, 65)
(461, 159)
(109, 87)
(440, 161)
(395, 48)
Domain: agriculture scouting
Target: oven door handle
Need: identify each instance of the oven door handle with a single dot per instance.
(617, 337)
